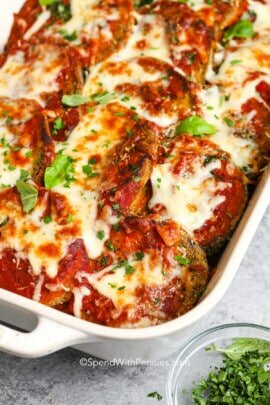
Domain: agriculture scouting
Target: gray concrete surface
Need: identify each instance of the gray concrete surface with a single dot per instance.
(60, 380)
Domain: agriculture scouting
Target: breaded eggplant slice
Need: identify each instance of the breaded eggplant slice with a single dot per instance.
(149, 87)
(199, 187)
(92, 31)
(143, 279)
(128, 170)
(41, 72)
(24, 142)
(39, 243)
(221, 14)
(237, 104)
(191, 40)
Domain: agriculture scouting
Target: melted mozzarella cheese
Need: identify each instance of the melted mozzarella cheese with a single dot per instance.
(120, 287)
(88, 19)
(148, 38)
(107, 76)
(42, 18)
(96, 133)
(190, 198)
(262, 20)
(79, 294)
(215, 109)
(42, 244)
(232, 87)
(21, 78)
(10, 173)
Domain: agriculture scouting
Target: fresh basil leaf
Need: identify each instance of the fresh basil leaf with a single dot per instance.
(46, 2)
(196, 126)
(74, 100)
(59, 172)
(240, 346)
(28, 194)
(24, 174)
(103, 97)
(243, 29)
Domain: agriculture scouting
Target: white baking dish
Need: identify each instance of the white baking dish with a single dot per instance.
(52, 329)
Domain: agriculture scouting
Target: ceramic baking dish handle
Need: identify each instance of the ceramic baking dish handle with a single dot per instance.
(48, 337)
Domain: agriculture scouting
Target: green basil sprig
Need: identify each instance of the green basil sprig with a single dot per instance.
(242, 29)
(28, 194)
(195, 125)
(61, 171)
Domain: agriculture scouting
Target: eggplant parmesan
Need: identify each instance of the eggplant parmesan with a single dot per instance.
(131, 134)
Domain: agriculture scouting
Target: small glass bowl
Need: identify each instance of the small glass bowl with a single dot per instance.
(194, 361)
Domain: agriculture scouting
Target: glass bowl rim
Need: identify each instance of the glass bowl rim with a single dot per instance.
(192, 341)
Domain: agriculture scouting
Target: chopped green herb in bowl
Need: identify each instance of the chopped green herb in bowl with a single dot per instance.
(243, 379)
(228, 364)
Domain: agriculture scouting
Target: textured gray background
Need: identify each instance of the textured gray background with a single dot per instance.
(59, 379)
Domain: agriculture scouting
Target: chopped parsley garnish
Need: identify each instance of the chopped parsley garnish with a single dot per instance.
(125, 98)
(196, 126)
(58, 9)
(236, 61)
(190, 58)
(112, 285)
(57, 125)
(209, 159)
(138, 256)
(156, 395)
(130, 133)
(103, 261)
(29, 153)
(243, 379)
(61, 171)
(4, 222)
(158, 182)
(119, 113)
(47, 219)
(100, 235)
(182, 260)
(228, 121)
(121, 288)
(124, 264)
(69, 218)
(116, 227)
(136, 117)
(8, 120)
(115, 207)
(109, 245)
(88, 170)
(68, 36)
(242, 29)
(28, 194)
(129, 269)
